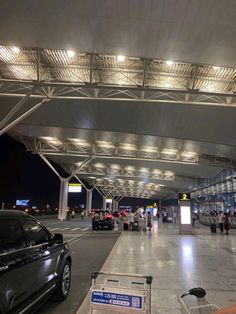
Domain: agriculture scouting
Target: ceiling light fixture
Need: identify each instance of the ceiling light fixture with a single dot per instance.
(188, 154)
(120, 58)
(128, 147)
(169, 62)
(99, 165)
(15, 49)
(167, 151)
(70, 53)
(148, 149)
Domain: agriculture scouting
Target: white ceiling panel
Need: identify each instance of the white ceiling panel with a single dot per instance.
(196, 31)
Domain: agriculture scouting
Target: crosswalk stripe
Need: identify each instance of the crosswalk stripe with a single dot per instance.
(64, 229)
(75, 229)
(85, 228)
(54, 229)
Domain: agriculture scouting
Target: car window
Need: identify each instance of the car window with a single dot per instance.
(11, 236)
(34, 233)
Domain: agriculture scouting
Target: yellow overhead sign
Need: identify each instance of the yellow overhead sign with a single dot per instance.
(184, 197)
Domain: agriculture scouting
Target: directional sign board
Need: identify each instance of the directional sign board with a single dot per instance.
(75, 188)
(184, 197)
(120, 300)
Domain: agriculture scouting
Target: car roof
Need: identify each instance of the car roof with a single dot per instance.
(12, 213)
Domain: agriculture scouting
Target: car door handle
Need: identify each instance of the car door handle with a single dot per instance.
(5, 267)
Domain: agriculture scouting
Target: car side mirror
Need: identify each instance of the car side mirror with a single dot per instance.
(58, 238)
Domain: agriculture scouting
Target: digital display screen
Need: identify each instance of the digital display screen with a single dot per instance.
(75, 188)
(185, 215)
(22, 202)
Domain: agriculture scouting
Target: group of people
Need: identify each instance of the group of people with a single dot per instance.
(168, 215)
(136, 221)
(224, 223)
(71, 214)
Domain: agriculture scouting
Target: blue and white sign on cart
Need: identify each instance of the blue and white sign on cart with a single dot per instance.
(120, 293)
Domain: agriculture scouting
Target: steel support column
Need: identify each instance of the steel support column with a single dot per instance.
(63, 200)
(89, 199)
(113, 204)
(104, 203)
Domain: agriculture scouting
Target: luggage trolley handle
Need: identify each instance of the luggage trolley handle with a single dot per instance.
(200, 294)
(95, 274)
(149, 279)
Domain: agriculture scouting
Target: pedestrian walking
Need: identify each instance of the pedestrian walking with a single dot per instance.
(73, 214)
(174, 216)
(221, 221)
(226, 223)
(149, 221)
(68, 214)
(82, 215)
(131, 221)
(193, 219)
(164, 219)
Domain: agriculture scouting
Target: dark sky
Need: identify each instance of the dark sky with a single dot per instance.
(24, 175)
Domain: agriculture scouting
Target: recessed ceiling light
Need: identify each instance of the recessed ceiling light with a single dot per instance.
(169, 62)
(99, 165)
(70, 53)
(167, 151)
(15, 49)
(120, 58)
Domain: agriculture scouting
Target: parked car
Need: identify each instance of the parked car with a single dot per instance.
(34, 264)
(102, 219)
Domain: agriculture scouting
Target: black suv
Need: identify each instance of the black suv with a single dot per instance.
(34, 264)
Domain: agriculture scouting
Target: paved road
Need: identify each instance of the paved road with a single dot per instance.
(89, 252)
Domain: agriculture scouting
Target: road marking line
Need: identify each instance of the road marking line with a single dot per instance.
(75, 229)
(54, 229)
(64, 229)
(85, 229)
(76, 239)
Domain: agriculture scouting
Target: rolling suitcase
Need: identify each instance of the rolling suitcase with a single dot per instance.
(213, 228)
(126, 227)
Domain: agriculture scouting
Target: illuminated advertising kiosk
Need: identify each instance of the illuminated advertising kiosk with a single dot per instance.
(185, 213)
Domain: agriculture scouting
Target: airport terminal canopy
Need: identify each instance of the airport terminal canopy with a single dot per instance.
(136, 97)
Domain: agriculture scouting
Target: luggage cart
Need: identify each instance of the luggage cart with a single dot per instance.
(120, 293)
(194, 302)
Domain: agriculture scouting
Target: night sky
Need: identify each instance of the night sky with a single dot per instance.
(24, 175)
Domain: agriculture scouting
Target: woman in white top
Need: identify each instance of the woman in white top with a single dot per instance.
(221, 221)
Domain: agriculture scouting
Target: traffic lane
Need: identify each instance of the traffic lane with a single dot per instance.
(89, 252)
(70, 224)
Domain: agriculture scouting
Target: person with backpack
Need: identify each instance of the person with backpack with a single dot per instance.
(149, 221)
(226, 223)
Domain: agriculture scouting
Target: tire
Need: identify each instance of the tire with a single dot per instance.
(2, 310)
(63, 286)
